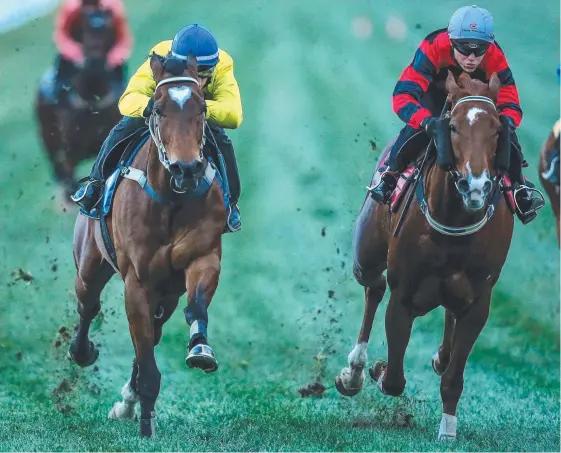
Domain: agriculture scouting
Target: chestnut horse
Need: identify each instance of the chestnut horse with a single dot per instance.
(74, 123)
(166, 225)
(549, 166)
(452, 246)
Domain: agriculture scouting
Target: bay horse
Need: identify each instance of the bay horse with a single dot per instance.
(74, 123)
(549, 165)
(450, 251)
(166, 224)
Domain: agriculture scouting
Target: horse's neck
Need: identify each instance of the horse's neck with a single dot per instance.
(444, 202)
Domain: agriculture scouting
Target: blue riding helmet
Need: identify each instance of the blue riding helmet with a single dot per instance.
(198, 40)
(472, 24)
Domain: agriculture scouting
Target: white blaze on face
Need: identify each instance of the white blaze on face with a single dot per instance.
(180, 95)
(473, 113)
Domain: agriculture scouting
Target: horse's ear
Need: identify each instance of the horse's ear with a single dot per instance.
(157, 65)
(464, 81)
(192, 65)
(494, 86)
(451, 86)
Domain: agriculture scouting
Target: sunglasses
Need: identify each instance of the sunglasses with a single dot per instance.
(206, 72)
(468, 48)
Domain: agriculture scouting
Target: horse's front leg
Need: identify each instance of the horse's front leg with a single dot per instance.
(390, 377)
(467, 329)
(201, 279)
(126, 408)
(140, 314)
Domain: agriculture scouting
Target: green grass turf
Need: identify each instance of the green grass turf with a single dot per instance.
(313, 96)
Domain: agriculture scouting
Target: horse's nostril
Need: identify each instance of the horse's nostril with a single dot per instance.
(463, 185)
(487, 187)
(175, 169)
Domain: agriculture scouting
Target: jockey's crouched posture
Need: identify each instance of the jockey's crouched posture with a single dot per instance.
(223, 102)
(468, 45)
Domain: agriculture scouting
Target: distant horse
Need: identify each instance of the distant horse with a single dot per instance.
(166, 225)
(548, 169)
(450, 251)
(74, 123)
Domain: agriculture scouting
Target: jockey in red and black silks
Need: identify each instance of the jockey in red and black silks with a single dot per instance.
(467, 45)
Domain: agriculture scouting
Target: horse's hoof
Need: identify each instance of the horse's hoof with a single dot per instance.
(377, 373)
(343, 390)
(147, 428)
(377, 370)
(93, 354)
(202, 356)
(354, 384)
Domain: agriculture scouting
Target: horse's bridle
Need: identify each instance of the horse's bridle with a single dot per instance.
(154, 123)
(141, 177)
(469, 229)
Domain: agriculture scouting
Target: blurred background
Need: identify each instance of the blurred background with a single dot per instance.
(316, 80)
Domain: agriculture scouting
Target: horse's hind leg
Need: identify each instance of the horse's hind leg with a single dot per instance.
(399, 321)
(441, 358)
(467, 329)
(202, 280)
(370, 263)
(92, 276)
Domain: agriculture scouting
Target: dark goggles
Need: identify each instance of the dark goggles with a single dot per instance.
(468, 48)
(206, 71)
